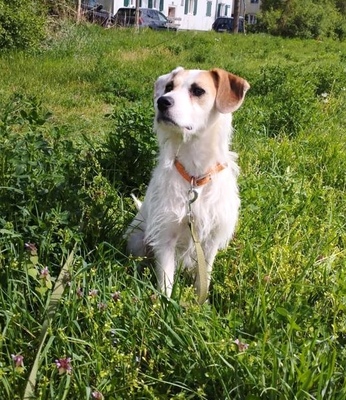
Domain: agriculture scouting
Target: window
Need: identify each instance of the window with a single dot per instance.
(254, 1)
(151, 14)
(227, 8)
(251, 18)
(190, 7)
(220, 8)
(209, 6)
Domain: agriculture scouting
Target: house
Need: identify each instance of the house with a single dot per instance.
(187, 14)
(250, 8)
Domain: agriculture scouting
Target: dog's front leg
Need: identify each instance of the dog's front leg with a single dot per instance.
(165, 267)
(210, 251)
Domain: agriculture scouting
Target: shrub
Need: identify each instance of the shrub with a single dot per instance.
(284, 102)
(304, 19)
(22, 24)
(52, 190)
(62, 8)
(130, 150)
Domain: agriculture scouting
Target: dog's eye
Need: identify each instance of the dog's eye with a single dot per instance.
(169, 87)
(197, 91)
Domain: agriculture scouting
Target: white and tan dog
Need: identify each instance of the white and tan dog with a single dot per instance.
(193, 116)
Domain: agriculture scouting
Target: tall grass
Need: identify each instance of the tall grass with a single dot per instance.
(75, 125)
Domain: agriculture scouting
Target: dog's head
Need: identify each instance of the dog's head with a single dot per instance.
(188, 101)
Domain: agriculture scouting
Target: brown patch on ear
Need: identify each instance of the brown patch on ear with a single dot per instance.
(231, 90)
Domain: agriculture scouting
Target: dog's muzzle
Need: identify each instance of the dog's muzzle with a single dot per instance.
(164, 103)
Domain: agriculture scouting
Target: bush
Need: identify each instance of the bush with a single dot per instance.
(284, 103)
(304, 19)
(52, 190)
(62, 8)
(22, 24)
(130, 150)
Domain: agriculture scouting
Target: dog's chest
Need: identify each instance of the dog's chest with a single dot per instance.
(172, 200)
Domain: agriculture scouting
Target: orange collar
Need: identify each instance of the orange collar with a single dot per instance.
(201, 180)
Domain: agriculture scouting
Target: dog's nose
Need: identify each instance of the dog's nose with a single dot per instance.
(165, 102)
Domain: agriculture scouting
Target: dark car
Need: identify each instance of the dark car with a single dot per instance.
(98, 15)
(225, 24)
(148, 17)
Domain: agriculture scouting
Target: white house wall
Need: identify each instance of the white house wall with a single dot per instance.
(192, 16)
(188, 14)
(251, 6)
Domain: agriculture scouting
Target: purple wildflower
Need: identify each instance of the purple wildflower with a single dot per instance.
(93, 292)
(31, 248)
(18, 360)
(102, 306)
(44, 274)
(116, 296)
(64, 365)
(97, 395)
(241, 346)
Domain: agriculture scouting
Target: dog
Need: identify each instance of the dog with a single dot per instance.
(196, 174)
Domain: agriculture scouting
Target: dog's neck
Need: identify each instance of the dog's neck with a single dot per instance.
(201, 151)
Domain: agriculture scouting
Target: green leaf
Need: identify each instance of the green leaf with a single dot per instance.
(32, 272)
(34, 260)
(41, 290)
(282, 311)
(49, 284)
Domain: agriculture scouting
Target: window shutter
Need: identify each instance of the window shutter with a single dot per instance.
(186, 11)
(161, 5)
(219, 7)
(195, 7)
(126, 3)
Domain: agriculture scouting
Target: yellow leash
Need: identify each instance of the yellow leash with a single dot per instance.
(202, 272)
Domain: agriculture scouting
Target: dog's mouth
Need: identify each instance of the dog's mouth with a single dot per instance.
(167, 120)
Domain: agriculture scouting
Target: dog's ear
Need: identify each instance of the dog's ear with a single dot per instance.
(231, 90)
(162, 81)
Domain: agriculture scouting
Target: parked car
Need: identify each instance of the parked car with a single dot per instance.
(148, 17)
(225, 24)
(96, 14)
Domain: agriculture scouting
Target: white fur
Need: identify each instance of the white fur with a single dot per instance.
(199, 138)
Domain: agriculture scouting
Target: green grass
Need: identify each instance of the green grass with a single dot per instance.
(75, 126)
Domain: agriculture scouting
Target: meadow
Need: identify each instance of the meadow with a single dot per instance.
(76, 140)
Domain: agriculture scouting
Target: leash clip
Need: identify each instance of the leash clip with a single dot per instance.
(192, 196)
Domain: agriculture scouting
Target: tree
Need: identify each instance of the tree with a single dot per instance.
(79, 10)
(236, 16)
(267, 5)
